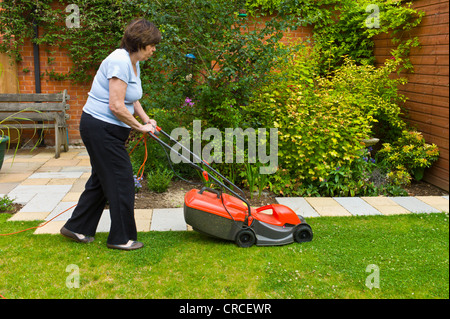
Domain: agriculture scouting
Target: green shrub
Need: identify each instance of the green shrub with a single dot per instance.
(399, 176)
(322, 121)
(408, 156)
(6, 204)
(159, 180)
(351, 180)
(373, 91)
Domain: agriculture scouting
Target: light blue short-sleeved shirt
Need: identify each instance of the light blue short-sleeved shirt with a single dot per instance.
(117, 64)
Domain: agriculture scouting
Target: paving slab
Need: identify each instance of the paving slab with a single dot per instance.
(52, 227)
(62, 181)
(13, 177)
(28, 216)
(36, 181)
(104, 225)
(299, 205)
(143, 214)
(57, 175)
(39, 198)
(5, 188)
(440, 203)
(59, 163)
(70, 154)
(61, 207)
(45, 154)
(22, 194)
(79, 185)
(165, 219)
(414, 205)
(82, 169)
(356, 206)
(143, 219)
(72, 197)
(43, 202)
(385, 205)
(20, 168)
(327, 206)
(84, 163)
(24, 159)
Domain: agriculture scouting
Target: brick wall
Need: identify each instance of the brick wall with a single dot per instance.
(428, 87)
(61, 63)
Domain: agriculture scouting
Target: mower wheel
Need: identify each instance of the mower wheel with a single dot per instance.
(245, 238)
(303, 233)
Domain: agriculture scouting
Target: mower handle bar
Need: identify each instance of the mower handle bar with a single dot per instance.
(197, 167)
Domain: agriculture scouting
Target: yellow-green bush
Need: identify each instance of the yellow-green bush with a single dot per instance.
(322, 120)
(407, 157)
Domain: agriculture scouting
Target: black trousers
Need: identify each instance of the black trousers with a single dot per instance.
(111, 180)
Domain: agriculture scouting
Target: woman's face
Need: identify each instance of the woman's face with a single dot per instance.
(147, 52)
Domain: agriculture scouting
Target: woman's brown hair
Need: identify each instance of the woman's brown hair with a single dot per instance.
(138, 34)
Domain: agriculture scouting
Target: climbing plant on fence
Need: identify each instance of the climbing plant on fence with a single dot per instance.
(341, 28)
(101, 24)
(346, 27)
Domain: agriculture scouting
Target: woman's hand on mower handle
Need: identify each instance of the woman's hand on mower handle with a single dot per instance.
(148, 127)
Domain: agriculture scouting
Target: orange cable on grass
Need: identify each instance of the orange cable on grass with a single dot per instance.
(35, 227)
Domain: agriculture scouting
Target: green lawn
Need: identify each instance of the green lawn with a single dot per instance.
(410, 251)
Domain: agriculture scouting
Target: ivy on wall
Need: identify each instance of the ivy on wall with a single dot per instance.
(341, 28)
(87, 29)
(345, 28)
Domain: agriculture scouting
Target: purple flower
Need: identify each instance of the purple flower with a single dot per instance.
(189, 102)
(137, 183)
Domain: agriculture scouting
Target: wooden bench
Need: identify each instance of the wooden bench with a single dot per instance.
(48, 111)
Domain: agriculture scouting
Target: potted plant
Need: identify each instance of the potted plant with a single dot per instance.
(3, 141)
(12, 122)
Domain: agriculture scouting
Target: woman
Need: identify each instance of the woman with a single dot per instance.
(106, 121)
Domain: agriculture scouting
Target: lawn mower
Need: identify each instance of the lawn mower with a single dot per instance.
(218, 214)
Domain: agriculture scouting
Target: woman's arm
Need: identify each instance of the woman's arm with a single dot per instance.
(139, 111)
(117, 91)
